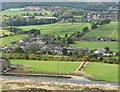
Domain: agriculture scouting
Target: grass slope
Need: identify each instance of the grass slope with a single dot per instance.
(93, 45)
(102, 71)
(58, 28)
(9, 39)
(105, 30)
(49, 66)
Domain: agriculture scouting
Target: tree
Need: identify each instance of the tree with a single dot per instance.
(35, 14)
(104, 21)
(34, 31)
(68, 40)
(85, 29)
(64, 51)
(33, 48)
(18, 50)
(14, 29)
(85, 58)
(66, 35)
(107, 49)
(94, 26)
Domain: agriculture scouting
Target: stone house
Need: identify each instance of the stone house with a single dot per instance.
(100, 51)
(5, 65)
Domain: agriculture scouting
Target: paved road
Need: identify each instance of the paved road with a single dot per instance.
(77, 80)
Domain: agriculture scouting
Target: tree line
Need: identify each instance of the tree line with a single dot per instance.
(110, 60)
(21, 21)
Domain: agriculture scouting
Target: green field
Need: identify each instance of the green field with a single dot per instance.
(102, 71)
(9, 39)
(58, 28)
(110, 30)
(3, 32)
(19, 11)
(51, 29)
(77, 16)
(49, 66)
(94, 45)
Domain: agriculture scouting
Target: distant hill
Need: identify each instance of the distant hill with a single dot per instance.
(80, 5)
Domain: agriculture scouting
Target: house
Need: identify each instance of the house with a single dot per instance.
(5, 65)
(9, 48)
(107, 54)
(100, 51)
(108, 39)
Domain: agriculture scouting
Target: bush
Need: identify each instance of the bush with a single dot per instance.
(18, 50)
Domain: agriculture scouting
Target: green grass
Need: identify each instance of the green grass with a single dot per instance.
(9, 39)
(93, 45)
(102, 71)
(58, 28)
(7, 32)
(14, 13)
(105, 30)
(77, 16)
(49, 66)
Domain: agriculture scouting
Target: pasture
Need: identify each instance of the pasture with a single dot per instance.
(5, 32)
(102, 71)
(49, 66)
(93, 45)
(58, 28)
(19, 11)
(110, 30)
(9, 39)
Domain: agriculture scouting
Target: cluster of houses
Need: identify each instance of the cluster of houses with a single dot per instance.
(97, 15)
(47, 44)
(94, 16)
(103, 52)
(44, 42)
(88, 17)
(96, 39)
(40, 8)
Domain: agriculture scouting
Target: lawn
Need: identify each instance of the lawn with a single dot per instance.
(102, 71)
(93, 45)
(58, 28)
(110, 30)
(19, 11)
(9, 39)
(49, 66)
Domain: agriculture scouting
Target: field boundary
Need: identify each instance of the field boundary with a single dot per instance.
(112, 33)
(36, 75)
(83, 65)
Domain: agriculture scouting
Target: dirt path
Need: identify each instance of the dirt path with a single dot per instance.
(112, 33)
(80, 68)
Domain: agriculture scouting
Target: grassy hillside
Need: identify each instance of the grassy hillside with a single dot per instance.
(4, 32)
(110, 30)
(102, 71)
(93, 45)
(42, 66)
(9, 39)
(58, 28)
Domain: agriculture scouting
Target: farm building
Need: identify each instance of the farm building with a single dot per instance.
(5, 65)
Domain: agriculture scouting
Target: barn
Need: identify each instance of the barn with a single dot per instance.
(5, 65)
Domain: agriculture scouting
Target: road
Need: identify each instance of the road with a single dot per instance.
(76, 80)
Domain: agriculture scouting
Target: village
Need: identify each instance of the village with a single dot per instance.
(45, 44)
(59, 46)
